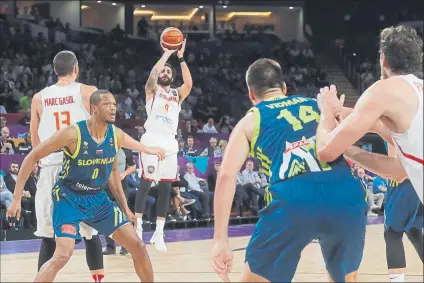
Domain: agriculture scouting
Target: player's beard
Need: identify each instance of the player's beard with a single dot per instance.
(164, 83)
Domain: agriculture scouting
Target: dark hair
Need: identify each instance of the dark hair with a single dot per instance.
(13, 162)
(64, 63)
(97, 96)
(263, 75)
(402, 47)
(174, 72)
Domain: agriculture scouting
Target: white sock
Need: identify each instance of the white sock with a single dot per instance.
(140, 224)
(160, 224)
(400, 277)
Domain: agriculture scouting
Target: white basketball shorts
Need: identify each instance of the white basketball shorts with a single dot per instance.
(44, 204)
(152, 168)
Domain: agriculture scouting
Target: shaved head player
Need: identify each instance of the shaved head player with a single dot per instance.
(396, 100)
(90, 161)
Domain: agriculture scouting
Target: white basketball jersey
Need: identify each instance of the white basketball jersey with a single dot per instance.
(409, 145)
(62, 106)
(163, 111)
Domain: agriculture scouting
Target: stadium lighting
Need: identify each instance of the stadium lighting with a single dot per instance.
(291, 8)
(200, 7)
(99, 1)
(143, 6)
(114, 4)
(224, 6)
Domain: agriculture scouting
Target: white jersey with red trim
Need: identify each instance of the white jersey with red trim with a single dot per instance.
(409, 145)
(62, 106)
(163, 111)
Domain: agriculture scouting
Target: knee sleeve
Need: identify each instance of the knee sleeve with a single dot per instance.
(141, 196)
(93, 253)
(47, 248)
(163, 201)
(395, 252)
(416, 238)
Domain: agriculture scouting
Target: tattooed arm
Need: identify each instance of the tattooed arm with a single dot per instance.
(152, 82)
(66, 137)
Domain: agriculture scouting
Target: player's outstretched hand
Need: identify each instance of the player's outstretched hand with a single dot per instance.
(327, 99)
(168, 51)
(180, 52)
(154, 150)
(13, 212)
(222, 259)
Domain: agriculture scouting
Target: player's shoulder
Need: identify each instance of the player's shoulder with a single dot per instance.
(88, 89)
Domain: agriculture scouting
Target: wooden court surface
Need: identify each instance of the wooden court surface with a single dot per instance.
(190, 262)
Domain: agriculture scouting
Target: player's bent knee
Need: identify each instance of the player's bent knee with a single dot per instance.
(249, 276)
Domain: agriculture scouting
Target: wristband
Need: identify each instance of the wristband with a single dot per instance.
(181, 60)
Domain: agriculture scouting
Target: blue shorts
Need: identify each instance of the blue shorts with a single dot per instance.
(324, 206)
(403, 209)
(96, 210)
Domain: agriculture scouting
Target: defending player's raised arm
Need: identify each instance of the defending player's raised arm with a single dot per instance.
(128, 142)
(35, 119)
(332, 141)
(382, 165)
(185, 89)
(378, 128)
(235, 155)
(152, 82)
(64, 138)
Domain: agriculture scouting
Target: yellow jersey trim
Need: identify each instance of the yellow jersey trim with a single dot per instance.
(115, 138)
(75, 154)
(257, 129)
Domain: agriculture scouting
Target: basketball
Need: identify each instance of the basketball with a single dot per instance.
(171, 38)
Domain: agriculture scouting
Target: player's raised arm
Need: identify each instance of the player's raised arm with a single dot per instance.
(382, 165)
(152, 82)
(64, 138)
(35, 119)
(128, 142)
(185, 89)
(332, 141)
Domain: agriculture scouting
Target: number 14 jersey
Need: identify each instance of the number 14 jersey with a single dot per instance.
(285, 137)
(62, 106)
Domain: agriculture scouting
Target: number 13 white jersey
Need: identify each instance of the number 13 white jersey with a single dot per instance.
(62, 106)
(163, 111)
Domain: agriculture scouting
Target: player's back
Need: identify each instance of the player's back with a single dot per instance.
(284, 143)
(410, 144)
(88, 168)
(163, 111)
(61, 106)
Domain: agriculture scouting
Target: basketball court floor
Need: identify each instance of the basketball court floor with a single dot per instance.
(188, 259)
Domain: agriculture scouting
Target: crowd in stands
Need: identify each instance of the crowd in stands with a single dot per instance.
(112, 61)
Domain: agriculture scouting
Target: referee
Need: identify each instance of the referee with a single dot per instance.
(126, 166)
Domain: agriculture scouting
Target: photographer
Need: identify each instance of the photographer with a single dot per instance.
(6, 143)
(224, 125)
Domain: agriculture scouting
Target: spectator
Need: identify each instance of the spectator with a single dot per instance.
(179, 136)
(7, 145)
(372, 198)
(224, 125)
(181, 146)
(6, 196)
(212, 150)
(209, 128)
(26, 145)
(133, 182)
(24, 121)
(212, 176)
(379, 185)
(186, 113)
(140, 132)
(252, 183)
(198, 187)
(222, 145)
(189, 149)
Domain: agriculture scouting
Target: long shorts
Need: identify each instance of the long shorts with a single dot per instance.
(44, 204)
(96, 210)
(403, 209)
(152, 168)
(327, 207)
